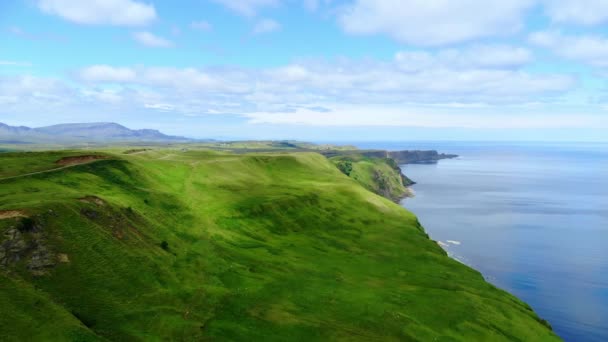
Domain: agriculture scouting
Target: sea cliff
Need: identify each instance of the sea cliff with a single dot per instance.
(205, 245)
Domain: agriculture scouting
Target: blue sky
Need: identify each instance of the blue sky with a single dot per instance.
(311, 70)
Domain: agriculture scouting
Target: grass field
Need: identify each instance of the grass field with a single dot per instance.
(201, 245)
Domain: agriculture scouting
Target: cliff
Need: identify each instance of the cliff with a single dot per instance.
(382, 176)
(204, 245)
(401, 157)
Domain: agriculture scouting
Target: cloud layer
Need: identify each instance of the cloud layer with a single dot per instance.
(447, 76)
(440, 63)
(589, 49)
(101, 12)
(446, 22)
(448, 87)
(582, 12)
(151, 40)
(247, 7)
(429, 23)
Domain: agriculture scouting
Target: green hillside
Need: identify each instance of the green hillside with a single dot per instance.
(379, 175)
(199, 245)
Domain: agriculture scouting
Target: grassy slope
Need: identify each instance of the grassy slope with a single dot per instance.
(18, 163)
(378, 175)
(261, 247)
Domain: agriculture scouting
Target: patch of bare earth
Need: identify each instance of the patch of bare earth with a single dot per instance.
(7, 214)
(94, 200)
(68, 161)
(62, 257)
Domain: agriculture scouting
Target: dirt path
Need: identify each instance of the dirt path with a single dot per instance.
(6, 214)
(166, 156)
(47, 171)
(77, 160)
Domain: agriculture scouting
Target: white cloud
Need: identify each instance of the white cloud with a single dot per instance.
(106, 73)
(375, 81)
(340, 93)
(186, 79)
(583, 12)
(160, 106)
(150, 40)
(247, 7)
(427, 117)
(438, 22)
(478, 56)
(103, 95)
(310, 84)
(101, 12)
(201, 25)
(266, 26)
(28, 94)
(592, 50)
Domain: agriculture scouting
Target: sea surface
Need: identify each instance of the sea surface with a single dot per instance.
(532, 217)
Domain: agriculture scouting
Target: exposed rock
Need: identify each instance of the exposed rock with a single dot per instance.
(67, 161)
(62, 257)
(119, 222)
(401, 157)
(384, 187)
(13, 248)
(93, 199)
(26, 241)
(90, 213)
(41, 260)
(418, 157)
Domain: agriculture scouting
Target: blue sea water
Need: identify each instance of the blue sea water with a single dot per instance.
(532, 217)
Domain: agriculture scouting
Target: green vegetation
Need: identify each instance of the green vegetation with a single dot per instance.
(345, 166)
(203, 245)
(379, 175)
(18, 163)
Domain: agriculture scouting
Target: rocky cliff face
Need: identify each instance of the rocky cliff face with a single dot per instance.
(382, 176)
(26, 242)
(414, 157)
(401, 157)
(379, 171)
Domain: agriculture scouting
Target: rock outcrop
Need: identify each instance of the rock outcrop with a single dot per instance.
(26, 242)
(401, 157)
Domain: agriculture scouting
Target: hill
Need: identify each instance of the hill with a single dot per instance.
(82, 132)
(380, 175)
(202, 245)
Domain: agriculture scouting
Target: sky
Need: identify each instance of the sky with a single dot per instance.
(319, 70)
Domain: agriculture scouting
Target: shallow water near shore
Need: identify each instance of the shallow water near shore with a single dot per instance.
(532, 217)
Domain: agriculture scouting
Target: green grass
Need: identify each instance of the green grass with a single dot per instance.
(379, 175)
(201, 245)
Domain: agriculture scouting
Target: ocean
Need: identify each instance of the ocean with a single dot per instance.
(532, 217)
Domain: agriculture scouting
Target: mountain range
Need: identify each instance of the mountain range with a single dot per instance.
(82, 133)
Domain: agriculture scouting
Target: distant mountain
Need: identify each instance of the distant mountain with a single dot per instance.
(6, 129)
(82, 132)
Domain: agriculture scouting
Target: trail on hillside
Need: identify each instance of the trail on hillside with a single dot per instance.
(7, 214)
(49, 170)
(77, 160)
